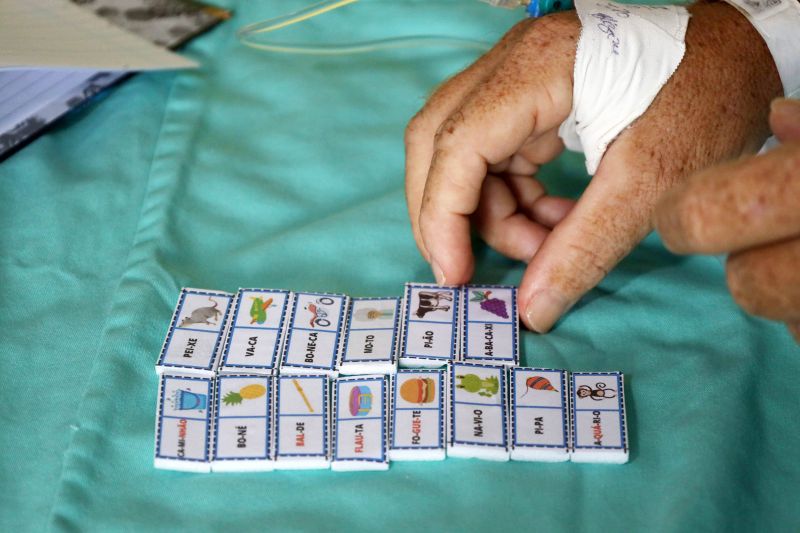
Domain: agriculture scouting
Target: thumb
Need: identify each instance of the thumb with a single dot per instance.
(611, 217)
(784, 119)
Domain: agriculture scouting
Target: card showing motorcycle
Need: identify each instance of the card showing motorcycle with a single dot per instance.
(316, 332)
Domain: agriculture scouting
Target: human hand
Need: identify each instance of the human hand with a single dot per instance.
(751, 210)
(473, 150)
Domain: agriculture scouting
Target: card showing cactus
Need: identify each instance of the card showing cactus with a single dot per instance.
(249, 392)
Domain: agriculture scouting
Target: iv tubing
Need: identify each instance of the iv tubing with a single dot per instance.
(246, 36)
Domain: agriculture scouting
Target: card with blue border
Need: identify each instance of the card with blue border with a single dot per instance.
(430, 325)
(243, 428)
(315, 334)
(302, 413)
(490, 325)
(418, 415)
(196, 333)
(255, 335)
(360, 423)
(599, 428)
(539, 407)
(184, 420)
(370, 346)
(478, 412)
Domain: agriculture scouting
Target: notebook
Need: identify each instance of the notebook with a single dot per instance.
(56, 54)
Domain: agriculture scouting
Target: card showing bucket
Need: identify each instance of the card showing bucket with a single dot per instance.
(183, 423)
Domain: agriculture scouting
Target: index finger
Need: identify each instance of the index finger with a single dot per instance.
(734, 206)
(495, 120)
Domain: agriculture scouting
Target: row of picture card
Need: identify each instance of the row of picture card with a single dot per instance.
(266, 331)
(251, 422)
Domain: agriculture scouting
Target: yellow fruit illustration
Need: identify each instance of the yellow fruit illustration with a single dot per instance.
(249, 392)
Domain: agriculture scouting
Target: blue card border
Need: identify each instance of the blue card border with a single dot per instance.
(442, 411)
(621, 403)
(514, 359)
(324, 415)
(268, 417)
(384, 418)
(276, 352)
(340, 328)
(565, 397)
(407, 319)
(397, 312)
(210, 382)
(504, 406)
(173, 327)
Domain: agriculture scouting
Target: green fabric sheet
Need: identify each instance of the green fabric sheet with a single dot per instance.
(262, 170)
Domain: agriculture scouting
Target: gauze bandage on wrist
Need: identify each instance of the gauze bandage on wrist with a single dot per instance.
(778, 22)
(626, 53)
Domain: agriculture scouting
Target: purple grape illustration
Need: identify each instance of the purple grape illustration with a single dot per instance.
(496, 306)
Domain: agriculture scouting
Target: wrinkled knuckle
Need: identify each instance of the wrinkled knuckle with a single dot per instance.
(691, 223)
(448, 131)
(416, 128)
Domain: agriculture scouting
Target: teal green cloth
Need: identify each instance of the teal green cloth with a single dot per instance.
(263, 170)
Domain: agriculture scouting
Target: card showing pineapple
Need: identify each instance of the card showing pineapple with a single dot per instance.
(302, 431)
(196, 333)
(490, 324)
(255, 336)
(183, 423)
(244, 423)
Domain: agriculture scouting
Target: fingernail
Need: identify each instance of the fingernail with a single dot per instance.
(438, 273)
(544, 310)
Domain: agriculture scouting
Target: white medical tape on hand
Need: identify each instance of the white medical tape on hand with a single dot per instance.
(778, 22)
(626, 53)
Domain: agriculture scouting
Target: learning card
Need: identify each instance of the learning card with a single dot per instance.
(303, 422)
(183, 423)
(539, 408)
(243, 428)
(196, 333)
(360, 423)
(370, 346)
(255, 334)
(430, 325)
(490, 331)
(478, 412)
(315, 335)
(418, 416)
(599, 430)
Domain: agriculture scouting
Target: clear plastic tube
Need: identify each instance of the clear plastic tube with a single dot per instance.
(247, 36)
